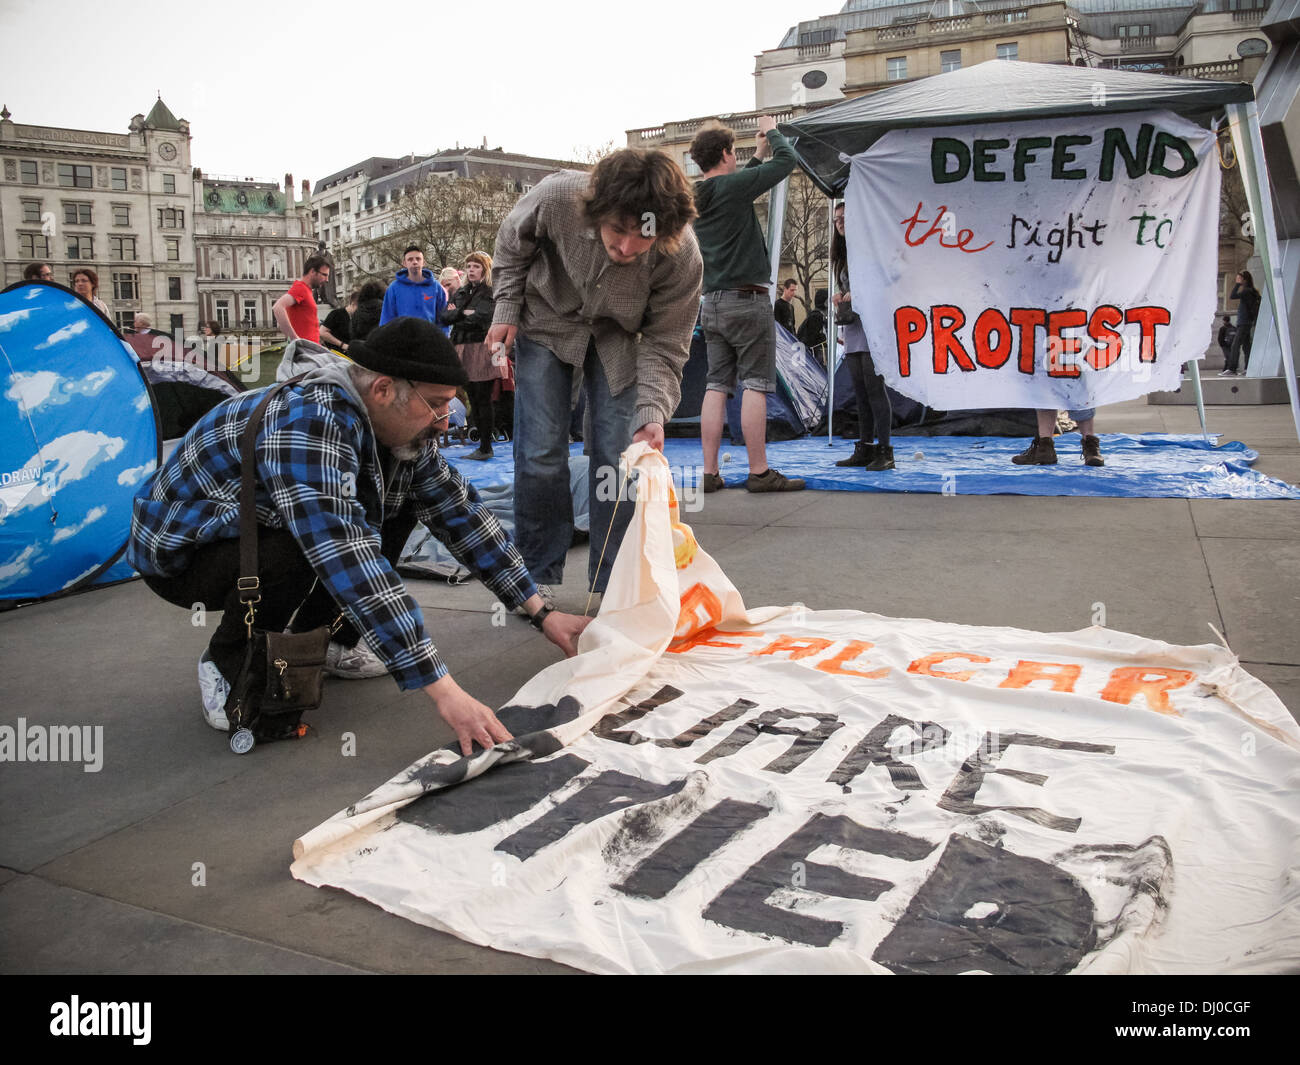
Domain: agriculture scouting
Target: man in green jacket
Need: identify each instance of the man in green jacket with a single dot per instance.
(737, 310)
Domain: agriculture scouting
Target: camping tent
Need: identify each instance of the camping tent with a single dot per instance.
(78, 434)
(825, 140)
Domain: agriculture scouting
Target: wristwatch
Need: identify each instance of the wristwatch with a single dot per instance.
(536, 620)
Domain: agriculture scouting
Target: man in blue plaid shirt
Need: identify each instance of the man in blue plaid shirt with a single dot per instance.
(346, 466)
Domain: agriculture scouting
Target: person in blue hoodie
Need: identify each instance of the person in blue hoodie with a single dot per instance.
(415, 293)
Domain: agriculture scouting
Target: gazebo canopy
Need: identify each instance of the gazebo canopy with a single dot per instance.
(996, 91)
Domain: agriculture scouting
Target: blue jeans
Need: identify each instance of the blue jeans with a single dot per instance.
(543, 504)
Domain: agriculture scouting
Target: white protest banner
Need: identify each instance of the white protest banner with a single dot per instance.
(1063, 263)
(835, 791)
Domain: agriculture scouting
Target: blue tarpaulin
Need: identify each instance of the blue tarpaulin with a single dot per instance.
(1149, 466)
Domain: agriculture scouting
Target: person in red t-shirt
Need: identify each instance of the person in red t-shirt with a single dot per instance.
(295, 311)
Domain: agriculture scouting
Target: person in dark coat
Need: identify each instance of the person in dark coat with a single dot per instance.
(470, 315)
(1248, 298)
(812, 330)
(336, 330)
(370, 302)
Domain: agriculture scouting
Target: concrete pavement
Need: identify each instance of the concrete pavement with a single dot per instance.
(174, 856)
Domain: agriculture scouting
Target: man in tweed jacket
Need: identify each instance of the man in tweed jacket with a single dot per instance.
(600, 272)
(346, 464)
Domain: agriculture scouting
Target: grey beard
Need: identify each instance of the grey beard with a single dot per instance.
(407, 452)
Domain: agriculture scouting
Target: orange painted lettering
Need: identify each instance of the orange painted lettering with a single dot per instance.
(797, 646)
(850, 652)
(1060, 675)
(1128, 682)
(925, 666)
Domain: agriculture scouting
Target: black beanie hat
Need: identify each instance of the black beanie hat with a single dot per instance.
(411, 348)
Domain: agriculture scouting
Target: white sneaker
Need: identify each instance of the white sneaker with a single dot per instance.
(215, 689)
(548, 597)
(354, 663)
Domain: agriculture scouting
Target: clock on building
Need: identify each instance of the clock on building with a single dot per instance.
(167, 150)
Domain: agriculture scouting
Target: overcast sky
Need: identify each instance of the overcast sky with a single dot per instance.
(310, 88)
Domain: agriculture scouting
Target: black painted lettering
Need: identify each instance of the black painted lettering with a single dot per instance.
(504, 792)
(991, 910)
(614, 726)
(701, 729)
(960, 796)
(1063, 156)
(605, 794)
(941, 148)
(676, 857)
(1135, 160)
(983, 158)
(744, 904)
(873, 749)
(1167, 142)
(806, 741)
(1025, 148)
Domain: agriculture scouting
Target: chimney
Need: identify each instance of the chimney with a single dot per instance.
(288, 185)
(306, 189)
(485, 143)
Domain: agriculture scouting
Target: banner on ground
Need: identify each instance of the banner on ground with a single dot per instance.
(711, 788)
(1063, 263)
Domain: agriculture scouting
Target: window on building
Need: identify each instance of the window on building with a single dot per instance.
(76, 214)
(121, 215)
(169, 183)
(31, 211)
(950, 60)
(223, 313)
(178, 324)
(73, 176)
(27, 172)
(124, 320)
(171, 218)
(174, 288)
(117, 178)
(1008, 51)
(276, 273)
(173, 249)
(126, 285)
(250, 270)
(33, 246)
(250, 314)
(81, 248)
(121, 249)
(896, 68)
(347, 205)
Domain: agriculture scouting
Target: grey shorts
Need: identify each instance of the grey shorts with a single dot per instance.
(740, 331)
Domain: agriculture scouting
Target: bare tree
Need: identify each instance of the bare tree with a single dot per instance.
(448, 217)
(805, 241)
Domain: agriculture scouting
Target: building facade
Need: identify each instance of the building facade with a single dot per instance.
(355, 209)
(251, 239)
(870, 45)
(119, 203)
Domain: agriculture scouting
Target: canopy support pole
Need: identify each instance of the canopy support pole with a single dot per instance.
(832, 333)
(1250, 151)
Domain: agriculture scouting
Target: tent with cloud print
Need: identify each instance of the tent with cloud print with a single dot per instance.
(78, 434)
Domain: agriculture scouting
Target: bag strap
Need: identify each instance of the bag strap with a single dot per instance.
(249, 584)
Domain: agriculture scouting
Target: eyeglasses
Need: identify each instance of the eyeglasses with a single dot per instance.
(436, 416)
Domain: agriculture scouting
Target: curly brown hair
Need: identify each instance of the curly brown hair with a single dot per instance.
(636, 183)
(710, 143)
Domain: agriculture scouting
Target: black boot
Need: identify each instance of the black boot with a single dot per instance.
(1092, 452)
(862, 454)
(884, 458)
(1042, 452)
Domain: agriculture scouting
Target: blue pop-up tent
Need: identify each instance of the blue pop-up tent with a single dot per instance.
(78, 434)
